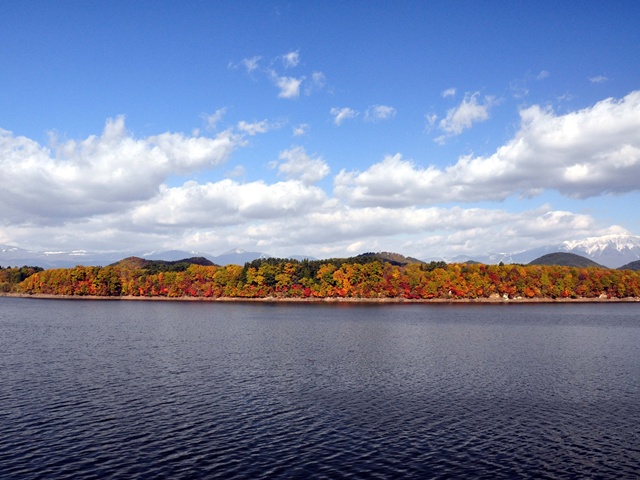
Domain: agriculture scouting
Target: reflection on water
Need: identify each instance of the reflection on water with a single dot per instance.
(184, 390)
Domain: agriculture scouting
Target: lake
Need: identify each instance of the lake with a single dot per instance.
(117, 389)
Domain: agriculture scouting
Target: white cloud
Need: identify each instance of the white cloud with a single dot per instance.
(251, 64)
(542, 75)
(449, 92)
(392, 182)
(226, 202)
(253, 128)
(431, 121)
(598, 79)
(433, 230)
(212, 120)
(237, 171)
(376, 113)
(289, 86)
(295, 163)
(111, 191)
(318, 79)
(463, 116)
(301, 129)
(291, 59)
(342, 114)
(315, 83)
(288, 216)
(99, 174)
(590, 152)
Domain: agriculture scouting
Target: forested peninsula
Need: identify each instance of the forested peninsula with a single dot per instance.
(365, 277)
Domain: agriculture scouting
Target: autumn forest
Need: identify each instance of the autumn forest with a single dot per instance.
(365, 277)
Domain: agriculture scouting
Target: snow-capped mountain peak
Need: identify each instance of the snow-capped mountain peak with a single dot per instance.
(597, 245)
(611, 250)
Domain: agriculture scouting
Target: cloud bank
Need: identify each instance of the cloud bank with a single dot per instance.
(112, 190)
(590, 152)
(98, 174)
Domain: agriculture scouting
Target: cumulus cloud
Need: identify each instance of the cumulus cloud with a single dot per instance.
(289, 86)
(111, 191)
(598, 79)
(215, 216)
(98, 174)
(315, 83)
(295, 163)
(589, 152)
(301, 129)
(251, 64)
(540, 226)
(253, 128)
(279, 217)
(392, 182)
(342, 114)
(376, 113)
(226, 202)
(291, 59)
(433, 231)
(462, 117)
(211, 120)
(449, 92)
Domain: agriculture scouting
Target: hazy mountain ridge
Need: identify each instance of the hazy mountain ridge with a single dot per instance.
(612, 251)
(16, 256)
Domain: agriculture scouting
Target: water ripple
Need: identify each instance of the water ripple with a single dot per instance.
(97, 390)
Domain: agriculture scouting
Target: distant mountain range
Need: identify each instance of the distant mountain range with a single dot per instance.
(612, 251)
(15, 256)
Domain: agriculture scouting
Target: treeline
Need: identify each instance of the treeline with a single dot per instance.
(359, 277)
(10, 277)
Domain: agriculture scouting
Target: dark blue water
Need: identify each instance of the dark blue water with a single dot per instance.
(95, 389)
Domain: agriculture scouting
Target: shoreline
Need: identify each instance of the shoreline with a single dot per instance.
(482, 300)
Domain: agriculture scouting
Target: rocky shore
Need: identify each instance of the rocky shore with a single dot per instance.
(491, 300)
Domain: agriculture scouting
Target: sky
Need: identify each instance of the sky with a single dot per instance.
(328, 129)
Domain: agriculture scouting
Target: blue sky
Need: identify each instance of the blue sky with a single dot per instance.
(432, 129)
